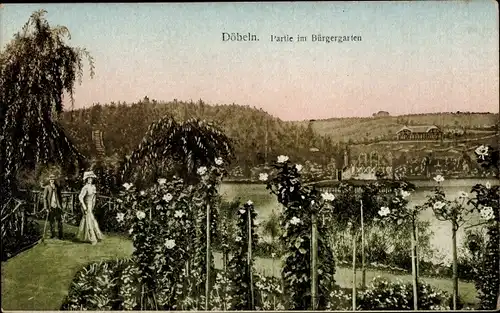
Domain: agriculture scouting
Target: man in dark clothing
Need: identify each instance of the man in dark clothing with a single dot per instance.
(52, 203)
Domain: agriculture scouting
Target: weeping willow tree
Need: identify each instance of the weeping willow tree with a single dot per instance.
(172, 148)
(37, 68)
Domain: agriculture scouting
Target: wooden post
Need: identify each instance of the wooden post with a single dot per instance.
(414, 264)
(363, 268)
(249, 257)
(455, 268)
(354, 293)
(207, 283)
(314, 265)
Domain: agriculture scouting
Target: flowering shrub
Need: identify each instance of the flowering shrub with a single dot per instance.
(300, 204)
(269, 293)
(167, 223)
(385, 295)
(394, 207)
(241, 267)
(160, 220)
(486, 202)
(104, 285)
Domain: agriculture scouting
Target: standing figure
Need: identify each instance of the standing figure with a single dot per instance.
(52, 203)
(89, 229)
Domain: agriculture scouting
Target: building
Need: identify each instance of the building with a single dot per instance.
(430, 132)
(381, 114)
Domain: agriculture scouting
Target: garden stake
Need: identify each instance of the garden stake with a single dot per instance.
(363, 272)
(414, 265)
(314, 267)
(455, 267)
(252, 301)
(207, 283)
(353, 270)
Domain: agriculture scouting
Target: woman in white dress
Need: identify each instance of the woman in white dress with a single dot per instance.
(89, 229)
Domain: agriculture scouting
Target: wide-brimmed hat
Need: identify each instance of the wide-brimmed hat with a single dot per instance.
(88, 174)
(52, 176)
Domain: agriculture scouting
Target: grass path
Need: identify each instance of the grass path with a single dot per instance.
(39, 278)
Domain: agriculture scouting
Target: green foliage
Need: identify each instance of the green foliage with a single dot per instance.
(106, 285)
(240, 266)
(486, 202)
(299, 204)
(170, 147)
(36, 68)
(385, 295)
(19, 231)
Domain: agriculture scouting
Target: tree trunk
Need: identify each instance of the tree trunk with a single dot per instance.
(207, 283)
(414, 266)
(363, 256)
(314, 265)
(354, 293)
(455, 265)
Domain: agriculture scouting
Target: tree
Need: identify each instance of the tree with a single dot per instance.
(180, 147)
(454, 212)
(36, 68)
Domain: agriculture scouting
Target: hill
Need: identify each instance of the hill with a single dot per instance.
(370, 129)
(123, 126)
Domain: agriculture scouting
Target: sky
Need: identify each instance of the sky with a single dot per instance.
(413, 57)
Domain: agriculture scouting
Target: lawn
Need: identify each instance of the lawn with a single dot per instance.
(39, 278)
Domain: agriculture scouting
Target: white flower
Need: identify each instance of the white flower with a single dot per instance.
(294, 221)
(298, 167)
(162, 181)
(438, 205)
(439, 178)
(384, 211)
(238, 239)
(120, 217)
(487, 213)
(405, 194)
(463, 194)
(202, 170)
(488, 185)
(482, 151)
(140, 215)
(179, 213)
(130, 231)
(327, 196)
(142, 193)
(167, 197)
(282, 159)
(273, 255)
(313, 202)
(127, 186)
(263, 176)
(169, 243)
(219, 161)
(249, 202)
(242, 211)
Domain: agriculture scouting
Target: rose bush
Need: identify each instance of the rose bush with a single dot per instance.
(241, 270)
(299, 204)
(486, 201)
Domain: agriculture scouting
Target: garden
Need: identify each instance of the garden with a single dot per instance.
(173, 242)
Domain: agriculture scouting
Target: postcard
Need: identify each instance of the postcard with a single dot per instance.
(314, 156)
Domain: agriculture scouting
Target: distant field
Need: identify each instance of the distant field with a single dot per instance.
(371, 127)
